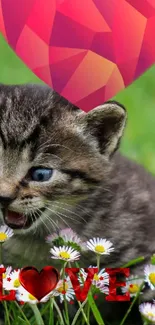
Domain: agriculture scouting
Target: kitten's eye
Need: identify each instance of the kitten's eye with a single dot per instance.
(41, 174)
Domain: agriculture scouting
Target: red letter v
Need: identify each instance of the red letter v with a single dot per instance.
(81, 293)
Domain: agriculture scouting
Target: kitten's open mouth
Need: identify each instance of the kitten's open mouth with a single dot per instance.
(16, 220)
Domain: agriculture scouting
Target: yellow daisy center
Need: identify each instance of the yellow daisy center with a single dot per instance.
(133, 288)
(150, 314)
(152, 278)
(16, 283)
(4, 275)
(64, 255)
(3, 236)
(99, 249)
(63, 288)
(31, 297)
(96, 277)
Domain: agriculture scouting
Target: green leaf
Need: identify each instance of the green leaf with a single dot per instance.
(59, 241)
(51, 318)
(22, 320)
(133, 262)
(95, 310)
(153, 259)
(73, 245)
(39, 320)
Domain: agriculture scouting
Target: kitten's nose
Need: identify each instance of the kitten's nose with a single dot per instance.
(8, 191)
(6, 200)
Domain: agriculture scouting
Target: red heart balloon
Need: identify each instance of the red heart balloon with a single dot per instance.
(39, 284)
(86, 50)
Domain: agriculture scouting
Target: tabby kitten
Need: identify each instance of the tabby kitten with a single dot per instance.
(59, 168)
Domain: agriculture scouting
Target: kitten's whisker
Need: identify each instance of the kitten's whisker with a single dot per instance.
(70, 211)
(34, 217)
(59, 214)
(63, 215)
(24, 221)
(46, 145)
(61, 145)
(77, 206)
(66, 223)
(44, 155)
(52, 222)
(39, 215)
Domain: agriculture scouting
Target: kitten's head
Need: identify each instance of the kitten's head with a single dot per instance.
(51, 152)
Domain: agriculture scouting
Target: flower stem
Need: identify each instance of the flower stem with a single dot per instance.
(1, 255)
(7, 313)
(22, 313)
(81, 305)
(88, 312)
(39, 320)
(51, 319)
(98, 262)
(146, 321)
(133, 302)
(83, 313)
(133, 262)
(4, 302)
(78, 312)
(59, 312)
(65, 301)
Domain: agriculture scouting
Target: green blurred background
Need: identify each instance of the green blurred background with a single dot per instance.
(139, 99)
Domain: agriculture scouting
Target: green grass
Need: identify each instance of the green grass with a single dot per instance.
(138, 98)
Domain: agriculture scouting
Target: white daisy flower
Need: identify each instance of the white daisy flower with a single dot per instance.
(100, 278)
(132, 285)
(5, 233)
(50, 238)
(148, 311)
(64, 253)
(7, 272)
(67, 235)
(11, 282)
(100, 246)
(24, 296)
(70, 236)
(64, 288)
(103, 288)
(149, 272)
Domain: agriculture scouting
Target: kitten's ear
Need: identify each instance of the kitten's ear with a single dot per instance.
(106, 124)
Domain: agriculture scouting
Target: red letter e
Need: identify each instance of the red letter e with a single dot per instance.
(113, 284)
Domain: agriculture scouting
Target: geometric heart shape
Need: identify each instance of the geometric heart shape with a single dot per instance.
(86, 58)
(39, 284)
